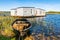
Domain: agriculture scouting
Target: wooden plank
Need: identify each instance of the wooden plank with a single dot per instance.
(27, 16)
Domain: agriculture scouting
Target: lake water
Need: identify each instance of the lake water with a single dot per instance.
(50, 19)
(55, 19)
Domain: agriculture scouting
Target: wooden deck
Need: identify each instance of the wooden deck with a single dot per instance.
(28, 16)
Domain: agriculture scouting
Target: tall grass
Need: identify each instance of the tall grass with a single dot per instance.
(5, 23)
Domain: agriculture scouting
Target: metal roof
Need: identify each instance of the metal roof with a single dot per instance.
(21, 7)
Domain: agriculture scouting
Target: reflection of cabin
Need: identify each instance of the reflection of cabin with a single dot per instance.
(27, 11)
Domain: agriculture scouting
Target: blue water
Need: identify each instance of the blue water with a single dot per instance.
(55, 19)
(49, 19)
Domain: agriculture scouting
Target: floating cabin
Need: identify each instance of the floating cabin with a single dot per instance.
(28, 12)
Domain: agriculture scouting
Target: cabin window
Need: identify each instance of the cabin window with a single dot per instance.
(31, 11)
(25, 11)
(40, 12)
(15, 12)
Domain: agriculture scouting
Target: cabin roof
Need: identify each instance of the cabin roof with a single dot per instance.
(41, 9)
(26, 7)
(21, 7)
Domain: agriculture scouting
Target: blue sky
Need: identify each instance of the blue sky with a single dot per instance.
(48, 5)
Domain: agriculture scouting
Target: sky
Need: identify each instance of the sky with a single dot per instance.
(48, 5)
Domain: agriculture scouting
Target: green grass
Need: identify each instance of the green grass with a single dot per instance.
(53, 12)
(4, 38)
(6, 23)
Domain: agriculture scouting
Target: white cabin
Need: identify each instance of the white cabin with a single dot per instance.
(27, 11)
